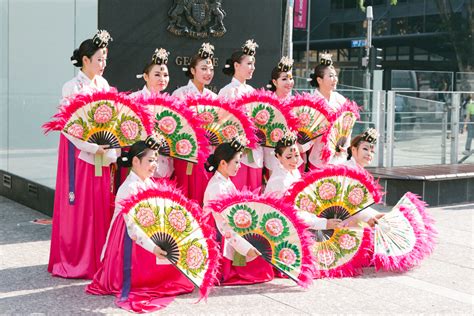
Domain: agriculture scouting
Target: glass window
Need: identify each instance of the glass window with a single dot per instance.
(37, 65)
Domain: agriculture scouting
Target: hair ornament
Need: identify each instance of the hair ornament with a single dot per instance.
(250, 47)
(102, 39)
(285, 64)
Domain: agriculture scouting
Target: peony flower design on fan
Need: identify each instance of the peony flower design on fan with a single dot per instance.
(184, 145)
(102, 114)
(326, 258)
(168, 123)
(242, 218)
(305, 203)
(77, 128)
(356, 196)
(327, 191)
(177, 221)
(193, 257)
(274, 227)
(304, 118)
(262, 115)
(288, 255)
(208, 115)
(129, 129)
(348, 120)
(230, 130)
(275, 132)
(147, 216)
(347, 240)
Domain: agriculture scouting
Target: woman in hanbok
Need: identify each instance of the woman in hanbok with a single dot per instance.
(143, 277)
(200, 73)
(82, 203)
(325, 81)
(281, 84)
(286, 173)
(241, 66)
(225, 163)
(157, 78)
(360, 154)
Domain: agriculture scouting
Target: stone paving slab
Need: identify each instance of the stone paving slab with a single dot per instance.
(443, 284)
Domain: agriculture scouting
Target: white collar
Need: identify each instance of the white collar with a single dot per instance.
(236, 82)
(135, 178)
(221, 177)
(146, 91)
(83, 77)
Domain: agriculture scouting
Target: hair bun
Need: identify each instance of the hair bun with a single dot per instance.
(124, 160)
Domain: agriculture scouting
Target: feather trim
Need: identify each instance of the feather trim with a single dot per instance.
(187, 114)
(286, 209)
(314, 101)
(237, 111)
(270, 97)
(167, 191)
(359, 174)
(407, 261)
(71, 105)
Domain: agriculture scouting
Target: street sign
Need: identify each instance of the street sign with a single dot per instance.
(358, 43)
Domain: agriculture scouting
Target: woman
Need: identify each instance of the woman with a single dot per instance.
(281, 84)
(151, 276)
(325, 81)
(360, 155)
(157, 78)
(82, 203)
(286, 173)
(241, 66)
(200, 73)
(225, 163)
(155, 74)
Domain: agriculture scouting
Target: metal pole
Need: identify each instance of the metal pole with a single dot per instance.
(287, 47)
(444, 129)
(308, 31)
(390, 127)
(455, 106)
(370, 17)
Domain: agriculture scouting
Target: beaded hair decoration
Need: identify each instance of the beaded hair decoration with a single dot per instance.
(250, 47)
(370, 136)
(102, 39)
(160, 57)
(285, 64)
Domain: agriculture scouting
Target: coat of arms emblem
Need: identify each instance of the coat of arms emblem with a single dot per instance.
(197, 18)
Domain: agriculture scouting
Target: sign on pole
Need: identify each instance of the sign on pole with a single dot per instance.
(300, 15)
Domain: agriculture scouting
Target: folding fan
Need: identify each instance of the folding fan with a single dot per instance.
(314, 116)
(337, 192)
(340, 130)
(271, 117)
(222, 121)
(272, 227)
(401, 239)
(184, 137)
(103, 118)
(417, 209)
(178, 227)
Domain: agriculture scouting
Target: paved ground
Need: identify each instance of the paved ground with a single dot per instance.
(443, 284)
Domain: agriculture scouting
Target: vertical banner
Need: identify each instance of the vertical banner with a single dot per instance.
(300, 14)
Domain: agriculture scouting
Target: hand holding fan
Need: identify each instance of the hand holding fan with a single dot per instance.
(337, 192)
(271, 117)
(177, 227)
(272, 228)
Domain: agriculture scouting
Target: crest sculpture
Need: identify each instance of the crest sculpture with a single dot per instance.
(197, 18)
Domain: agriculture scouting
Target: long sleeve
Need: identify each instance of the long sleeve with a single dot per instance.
(239, 244)
(365, 215)
(82, 145)
(138, 235)
(312, 220)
